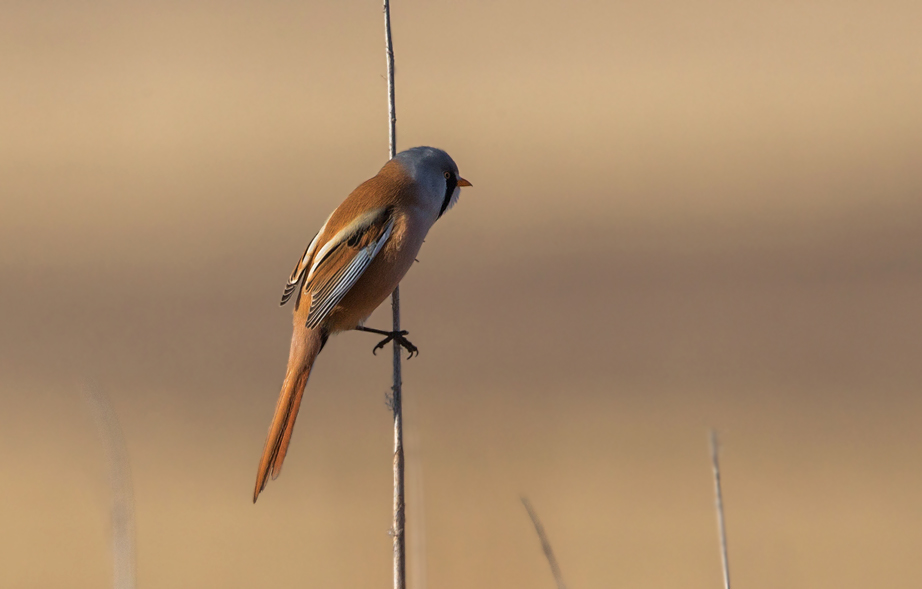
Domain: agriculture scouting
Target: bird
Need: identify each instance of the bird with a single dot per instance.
(351, 266)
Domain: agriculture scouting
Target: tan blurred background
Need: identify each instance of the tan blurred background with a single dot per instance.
(683, 215)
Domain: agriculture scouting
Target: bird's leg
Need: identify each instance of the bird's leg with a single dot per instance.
(397, 336)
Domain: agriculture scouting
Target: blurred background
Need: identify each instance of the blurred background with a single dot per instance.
(684, 215)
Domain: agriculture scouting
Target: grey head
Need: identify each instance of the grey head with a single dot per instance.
(435, 173)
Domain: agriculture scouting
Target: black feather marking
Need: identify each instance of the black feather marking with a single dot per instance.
(452, 183)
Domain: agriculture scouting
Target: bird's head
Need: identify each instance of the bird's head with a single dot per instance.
(435, 173)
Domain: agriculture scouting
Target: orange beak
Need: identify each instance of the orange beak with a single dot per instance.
(463, 182)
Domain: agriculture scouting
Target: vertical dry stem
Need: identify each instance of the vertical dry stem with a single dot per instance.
(545, 544)
(391, 108)
(399, 507)
(719, 502)
(122, 514)
(416, 529)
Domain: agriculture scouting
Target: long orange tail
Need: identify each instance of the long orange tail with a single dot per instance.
(305, 345)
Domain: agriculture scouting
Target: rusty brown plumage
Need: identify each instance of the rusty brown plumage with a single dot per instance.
(353, 264)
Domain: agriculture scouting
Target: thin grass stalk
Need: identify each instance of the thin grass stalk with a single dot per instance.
(545, 544)
(397, 528)
(121, 493)
(719, 503)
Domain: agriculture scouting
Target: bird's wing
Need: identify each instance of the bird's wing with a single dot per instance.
(343, 259)
(298, 272)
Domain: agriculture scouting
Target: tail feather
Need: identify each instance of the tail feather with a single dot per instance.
(304, 349)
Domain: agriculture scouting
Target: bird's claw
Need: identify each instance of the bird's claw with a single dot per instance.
(399, 337)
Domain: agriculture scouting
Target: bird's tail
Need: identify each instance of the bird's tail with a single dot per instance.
(305, 345)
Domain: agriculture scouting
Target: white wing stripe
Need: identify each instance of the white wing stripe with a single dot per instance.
(307, 255)
(329, 299)
(298, 272)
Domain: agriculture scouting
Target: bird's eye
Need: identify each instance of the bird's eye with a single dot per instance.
(447, 175)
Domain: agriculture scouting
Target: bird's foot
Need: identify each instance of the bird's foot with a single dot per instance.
(398, 337)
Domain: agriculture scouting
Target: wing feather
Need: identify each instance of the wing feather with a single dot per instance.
(297, 273)
(342, 261)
